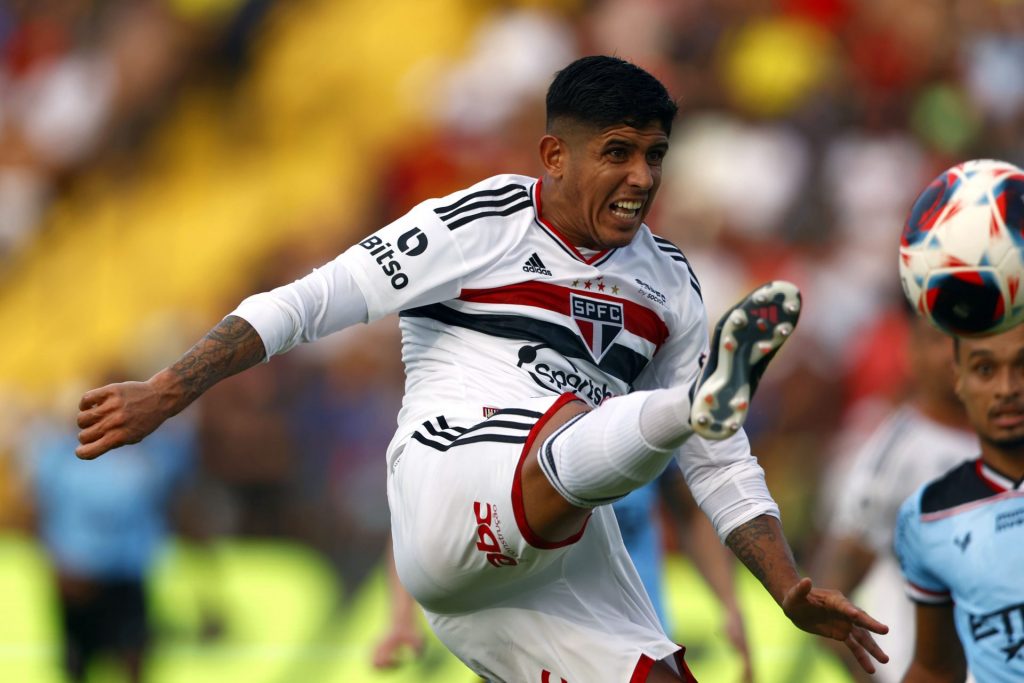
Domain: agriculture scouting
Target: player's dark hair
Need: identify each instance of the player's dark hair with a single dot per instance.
(604, 91)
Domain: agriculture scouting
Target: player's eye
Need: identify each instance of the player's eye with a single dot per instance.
(617, 154)
(655, 157)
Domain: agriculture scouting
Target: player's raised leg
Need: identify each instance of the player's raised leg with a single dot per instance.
(588, 458)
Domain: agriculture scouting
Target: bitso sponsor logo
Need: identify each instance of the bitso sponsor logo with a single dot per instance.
(489, 537)
(412, 242)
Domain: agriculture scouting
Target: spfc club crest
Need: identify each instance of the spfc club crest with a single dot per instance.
(599, 322)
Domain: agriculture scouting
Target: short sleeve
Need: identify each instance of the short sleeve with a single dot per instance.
(922, 583)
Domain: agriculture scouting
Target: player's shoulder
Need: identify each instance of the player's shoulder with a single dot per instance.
(958, 486)
(896, 444)
(663, 254)
(498, 196)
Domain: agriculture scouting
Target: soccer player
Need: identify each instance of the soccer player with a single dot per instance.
(637, 518)
(551, 343)
(959, 538)
(922, 438)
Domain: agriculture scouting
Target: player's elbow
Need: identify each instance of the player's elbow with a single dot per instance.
(936, 670)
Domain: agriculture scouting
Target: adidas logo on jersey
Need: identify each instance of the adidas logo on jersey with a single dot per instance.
(535, 265)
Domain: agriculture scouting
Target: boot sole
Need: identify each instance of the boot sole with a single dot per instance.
(749, 334)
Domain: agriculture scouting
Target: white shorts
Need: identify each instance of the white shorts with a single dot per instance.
(510, 605)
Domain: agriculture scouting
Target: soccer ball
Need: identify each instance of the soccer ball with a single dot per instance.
(961, 258)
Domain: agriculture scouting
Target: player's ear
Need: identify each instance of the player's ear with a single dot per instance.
(958, 381)
(553, 153)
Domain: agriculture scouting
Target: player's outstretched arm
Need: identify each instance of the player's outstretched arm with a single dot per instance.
(762, 547)
(127, 412)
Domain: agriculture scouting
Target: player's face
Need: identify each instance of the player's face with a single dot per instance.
(610, 180)
(990, 383)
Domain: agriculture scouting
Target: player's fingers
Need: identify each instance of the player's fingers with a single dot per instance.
(856, 615)
(865, 620)
(94, 449)
(797, 594)
(868, 642)
(100, 438)
(860, 654)
(88, 418)
(93, 397)
(95, 431)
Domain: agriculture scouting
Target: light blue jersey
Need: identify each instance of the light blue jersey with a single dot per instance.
(960, 539)
(106, 519)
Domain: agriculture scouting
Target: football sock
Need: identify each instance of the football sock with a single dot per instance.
(600, 456)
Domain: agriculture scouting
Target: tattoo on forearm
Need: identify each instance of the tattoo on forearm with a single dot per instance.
(230, 347)
(752, 544)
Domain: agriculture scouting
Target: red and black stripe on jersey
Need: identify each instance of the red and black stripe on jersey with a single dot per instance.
(618, 361)
(503, 201)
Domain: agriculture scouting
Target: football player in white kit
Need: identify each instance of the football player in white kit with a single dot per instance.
(551, 344)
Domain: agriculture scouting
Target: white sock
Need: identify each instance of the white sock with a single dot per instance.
(600, 456)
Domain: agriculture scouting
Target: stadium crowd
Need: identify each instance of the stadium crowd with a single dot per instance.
(156, 156)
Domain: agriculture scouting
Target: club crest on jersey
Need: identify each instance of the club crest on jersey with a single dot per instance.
(599, 322)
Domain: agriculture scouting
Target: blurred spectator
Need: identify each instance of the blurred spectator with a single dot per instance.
(79, 79)
(103, 525)
(341, 418)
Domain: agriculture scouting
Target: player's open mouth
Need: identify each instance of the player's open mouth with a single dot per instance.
(627, 209)
(1007, 418)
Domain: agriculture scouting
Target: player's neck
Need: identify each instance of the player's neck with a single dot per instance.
(555, 212)
(1008, 461)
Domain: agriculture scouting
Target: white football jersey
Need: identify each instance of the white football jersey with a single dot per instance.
(496, 306)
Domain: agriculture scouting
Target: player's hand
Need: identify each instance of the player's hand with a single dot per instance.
(389, 651)
(736, 633)
(829, 613)
(118, 414)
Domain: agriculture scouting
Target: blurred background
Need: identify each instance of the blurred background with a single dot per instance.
(162, 159)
